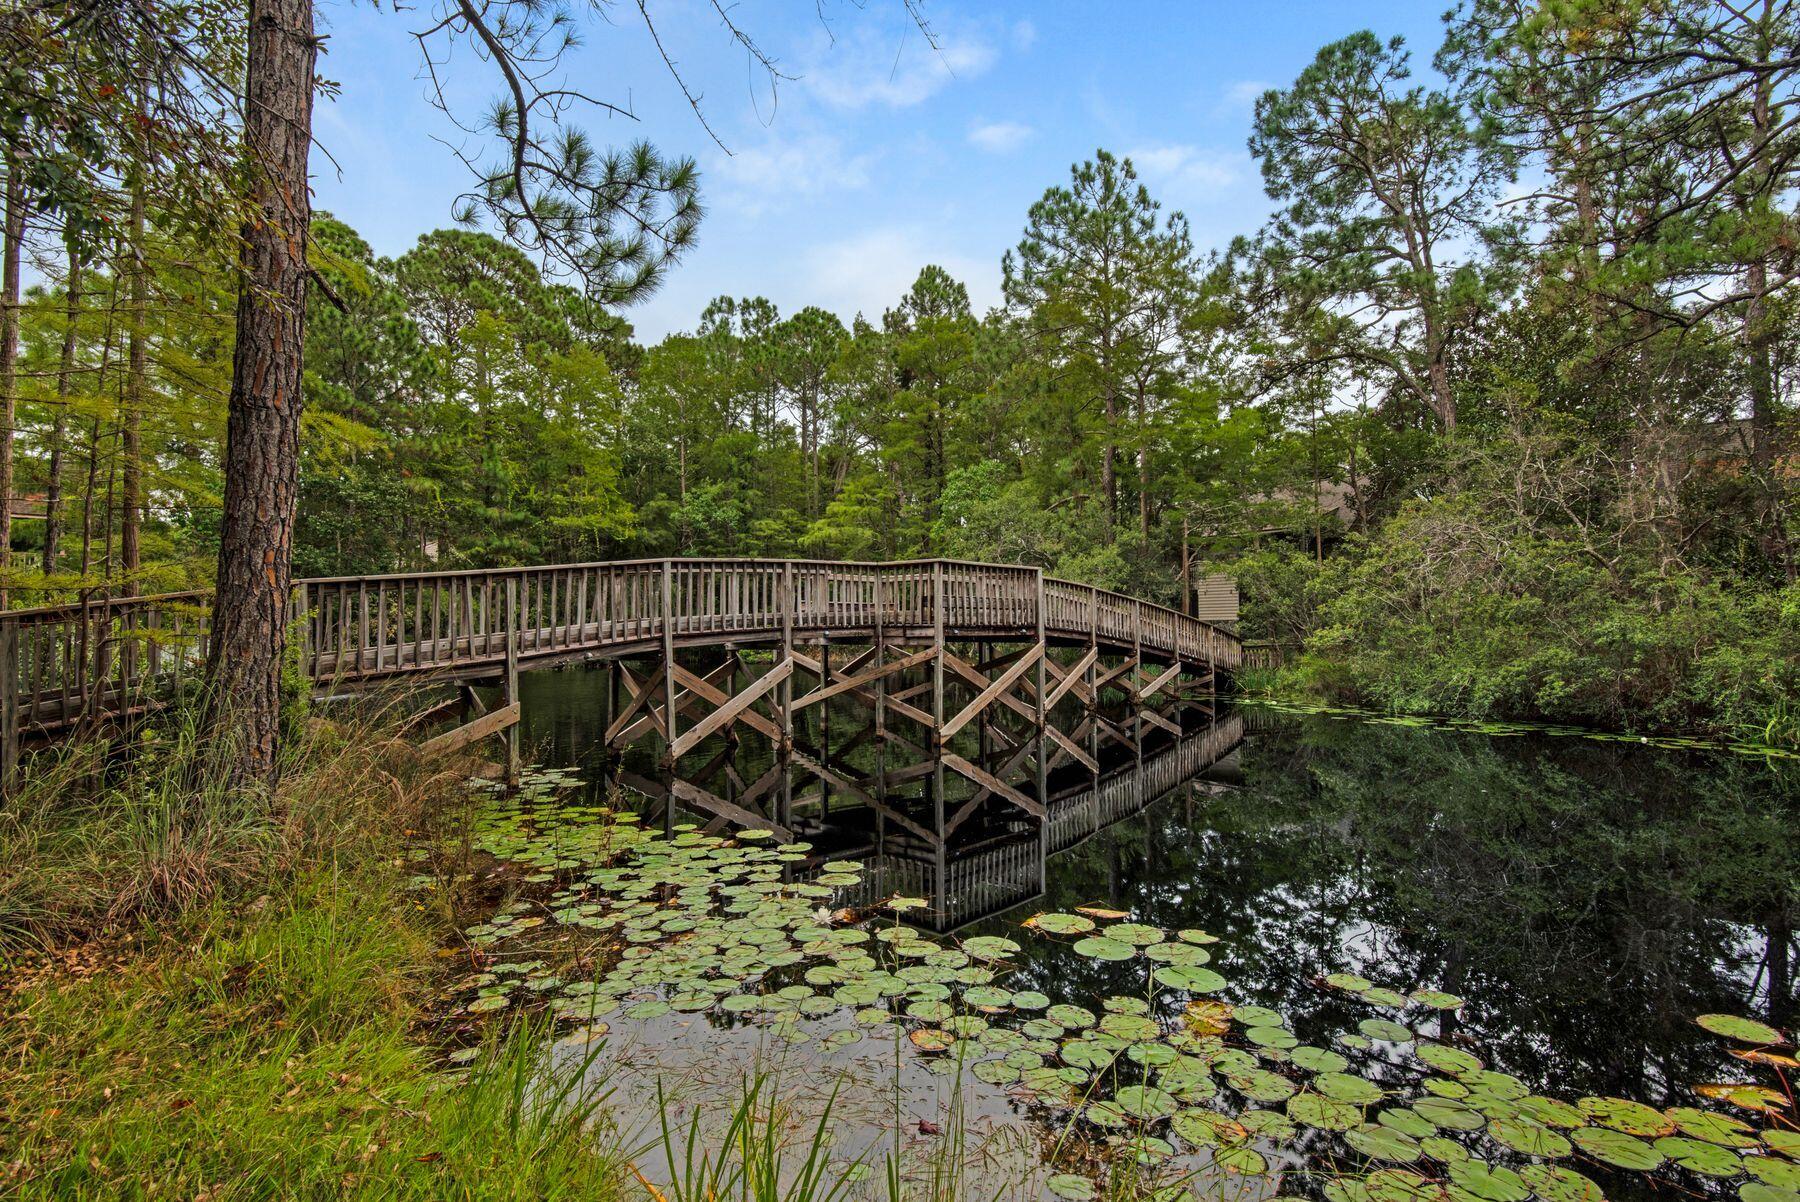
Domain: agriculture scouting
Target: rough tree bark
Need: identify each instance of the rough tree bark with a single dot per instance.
(59, 431)
(262, 441)
(13, 250)
(137, 368)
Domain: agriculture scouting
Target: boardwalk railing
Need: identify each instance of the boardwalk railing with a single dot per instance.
(62, 665)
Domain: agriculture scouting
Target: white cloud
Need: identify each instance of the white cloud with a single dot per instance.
(1185, 166)
(1243, 94)
(1000, 137)
(869, 272)
(1024, 34)
(897, 70)
(789, 168)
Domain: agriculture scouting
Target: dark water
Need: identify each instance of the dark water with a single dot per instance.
(1587, 898)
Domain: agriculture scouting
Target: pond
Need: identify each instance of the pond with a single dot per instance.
(1272, 953)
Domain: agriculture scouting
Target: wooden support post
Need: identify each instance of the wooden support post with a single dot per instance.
(937, 663)
(784, 697)
(509, 687)
(825, 722)
(9, 707)
(880, 657)
(668, 664)
(1043, 712)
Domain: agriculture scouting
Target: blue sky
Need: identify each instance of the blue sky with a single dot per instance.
(880, 154)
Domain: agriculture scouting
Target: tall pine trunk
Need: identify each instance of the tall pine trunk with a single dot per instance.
(131, 484)
(262, 440)
(13, 250)
(59, 430)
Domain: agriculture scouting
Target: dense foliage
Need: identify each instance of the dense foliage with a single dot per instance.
(1494, 415)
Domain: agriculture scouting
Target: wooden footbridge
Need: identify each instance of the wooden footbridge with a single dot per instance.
(676, 631)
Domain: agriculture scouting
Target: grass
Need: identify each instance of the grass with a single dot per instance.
(216, 996)
(224, 997)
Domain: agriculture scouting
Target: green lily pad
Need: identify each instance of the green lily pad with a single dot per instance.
(1555, 1184)
(1715, 1128)
(1380, 1142)
(1345, 1087)
(1190, 979)
(1135, 933)
(1399, 1185)
(1449, 1114)
(1748, 1030)
(1260, 1085)
(1145, 1103)
(1487, 1183)
(1631, 1118)
(1098, 947)
(1443, 1150)
(1073, 1017)
(1384, 1029)
(1348, 981)
(1782, 1174)
(1061, 924)
(1532, 1139)
(1407, 1121)
(1315, 1110)
(1447, 1059)
(1318, 1060)
(1437, 999)
(1617, 1148)
(1071, 1188)
(1241, 1159)
(1698, 1156)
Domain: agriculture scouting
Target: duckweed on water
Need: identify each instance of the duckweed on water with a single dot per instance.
(1168, 1077)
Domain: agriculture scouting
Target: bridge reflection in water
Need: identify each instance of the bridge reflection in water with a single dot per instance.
(968, 850)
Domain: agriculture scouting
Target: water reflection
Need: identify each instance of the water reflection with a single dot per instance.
(1587, 898)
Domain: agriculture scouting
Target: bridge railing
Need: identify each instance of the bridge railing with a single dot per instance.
(62, 664)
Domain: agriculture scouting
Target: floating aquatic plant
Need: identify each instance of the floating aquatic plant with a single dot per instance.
(743, 929)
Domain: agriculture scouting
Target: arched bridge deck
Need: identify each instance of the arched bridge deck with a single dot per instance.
(61, 666)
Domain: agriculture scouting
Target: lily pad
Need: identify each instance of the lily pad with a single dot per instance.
(1145, 1103)
(1098, 947)
(1348, 981)
(1380, 1142)
(1530, 1138)
(1489, 1184)
(1617, 1148)
(1071, 1188)
(1315, 1110)
(1631, 1118)
(1709, 1160)
(1747, 1030)
(1555, 1184)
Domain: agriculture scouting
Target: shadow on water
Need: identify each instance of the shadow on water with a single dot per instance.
(1588, 899)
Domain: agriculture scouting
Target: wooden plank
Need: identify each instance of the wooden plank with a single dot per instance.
(963, 669)
(1155, 686)
(1071, 679)
(462, 736)
(708, 691)
(728, 712)
(1156, 719)
(1071, 747)
(692, 794)
(1005, 681)
(850, 683)
(989, 781)
(639, 699)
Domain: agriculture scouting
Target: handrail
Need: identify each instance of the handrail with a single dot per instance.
(62, 664)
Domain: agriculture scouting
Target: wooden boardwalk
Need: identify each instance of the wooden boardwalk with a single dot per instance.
(65, 667)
